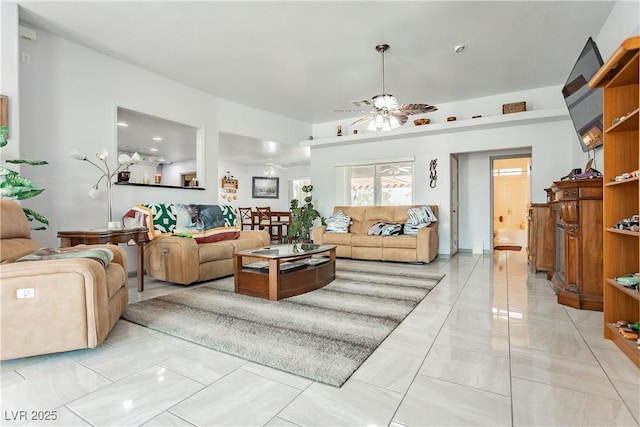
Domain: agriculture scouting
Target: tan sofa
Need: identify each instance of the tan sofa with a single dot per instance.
(66, 304)
(180, 253)
(357, 244)
(181, 260)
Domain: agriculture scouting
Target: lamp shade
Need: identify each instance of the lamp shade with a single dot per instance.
(93, 192)
(76, 154)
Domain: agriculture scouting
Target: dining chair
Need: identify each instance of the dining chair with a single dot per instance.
(246, 218)
(266, 222)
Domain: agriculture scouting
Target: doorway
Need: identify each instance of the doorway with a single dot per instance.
(511, 195)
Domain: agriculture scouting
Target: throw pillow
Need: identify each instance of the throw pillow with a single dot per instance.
(412, 229)
(421, 215)
(338, 223)
(376, 229)
(391, 230)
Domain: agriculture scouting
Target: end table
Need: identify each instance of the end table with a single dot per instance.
(103, 235)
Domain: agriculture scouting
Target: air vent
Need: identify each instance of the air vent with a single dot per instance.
(361, 102)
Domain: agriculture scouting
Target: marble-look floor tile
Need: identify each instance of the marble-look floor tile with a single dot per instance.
(425, 321)
(536, 404)
(630, 394)
(489, 342)
(553, 337)
(179, 342)
(202, 364)
(11, 377)
(167, 419)
(51, 390)
(279, 422)
(55, 361)
(433, 402)
(576, 374)
(354, 404)
(239, 399)
(135, 399)
(120, 362)
(617, 365)
(283, 377)
(61, 416)
(468, 368)
(124, 332)
(389, 369)
(480, 319)
(409, 340)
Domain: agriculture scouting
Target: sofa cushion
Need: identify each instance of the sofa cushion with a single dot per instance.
(213, 252)
(402, 241)
(205, 223)
(412, 229)
(364, 240)
(337, 238)
(338, 223)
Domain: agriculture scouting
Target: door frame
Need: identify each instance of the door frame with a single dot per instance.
(492, 159)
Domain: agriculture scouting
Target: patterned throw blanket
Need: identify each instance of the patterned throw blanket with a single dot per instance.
(204, 223)
(103, 256)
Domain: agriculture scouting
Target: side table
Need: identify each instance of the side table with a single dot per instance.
(103, 235)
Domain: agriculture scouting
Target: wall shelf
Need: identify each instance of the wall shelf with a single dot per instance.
(480, 123)
(132, 184)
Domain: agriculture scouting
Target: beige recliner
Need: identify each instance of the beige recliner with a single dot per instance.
(55, 305)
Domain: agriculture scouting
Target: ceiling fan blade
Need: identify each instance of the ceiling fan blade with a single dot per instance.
(401, 115)
(411, 109)
(361, 120)
(352, 111)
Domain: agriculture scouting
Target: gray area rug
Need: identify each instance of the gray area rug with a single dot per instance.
(324, 335)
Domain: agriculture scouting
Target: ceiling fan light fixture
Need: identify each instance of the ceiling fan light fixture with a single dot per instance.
(383, 122)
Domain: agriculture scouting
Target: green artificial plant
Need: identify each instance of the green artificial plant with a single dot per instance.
(302, 217)
(16, 187)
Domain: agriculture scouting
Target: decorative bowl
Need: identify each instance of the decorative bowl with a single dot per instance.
(420, 122)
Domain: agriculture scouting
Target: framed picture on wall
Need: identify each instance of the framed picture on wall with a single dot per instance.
(265, 188)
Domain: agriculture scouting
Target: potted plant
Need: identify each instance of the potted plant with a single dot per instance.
(16, 187)
(302, 217)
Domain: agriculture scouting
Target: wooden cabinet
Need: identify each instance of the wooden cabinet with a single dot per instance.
(577, 220)
(619, 78)
(540, 243)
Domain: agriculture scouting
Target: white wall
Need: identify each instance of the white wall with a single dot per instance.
(548, 143)
(68, 100)
(244, 176)
(9, 76)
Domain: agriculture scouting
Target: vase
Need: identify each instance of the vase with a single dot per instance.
(124, 176)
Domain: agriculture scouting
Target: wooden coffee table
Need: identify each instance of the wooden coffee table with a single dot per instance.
(283, 271)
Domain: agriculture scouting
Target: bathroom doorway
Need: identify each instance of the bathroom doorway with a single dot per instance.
(511, 195)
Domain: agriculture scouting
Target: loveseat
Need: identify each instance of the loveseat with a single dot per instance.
(357, 243)
(54, 305)
(192, 243)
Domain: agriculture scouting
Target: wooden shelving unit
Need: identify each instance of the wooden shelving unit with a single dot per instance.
(619, 77)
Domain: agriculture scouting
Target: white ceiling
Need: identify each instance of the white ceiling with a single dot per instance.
(305, 59)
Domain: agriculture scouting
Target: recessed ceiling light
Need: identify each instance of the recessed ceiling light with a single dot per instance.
(123, 124)
(157, 138)
(153, 149)
(458, 48)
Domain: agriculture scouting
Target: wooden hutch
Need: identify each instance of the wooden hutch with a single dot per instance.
(576, 212)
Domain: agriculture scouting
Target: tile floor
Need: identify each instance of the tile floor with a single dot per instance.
(488, 346)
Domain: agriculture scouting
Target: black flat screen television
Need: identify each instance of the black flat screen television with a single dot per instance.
(584, 103)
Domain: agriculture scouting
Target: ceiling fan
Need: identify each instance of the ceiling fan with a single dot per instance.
(270, 167)
(388, 113)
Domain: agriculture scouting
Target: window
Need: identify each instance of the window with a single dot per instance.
(381, 184)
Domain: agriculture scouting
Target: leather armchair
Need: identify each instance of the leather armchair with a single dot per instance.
(56, 305)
